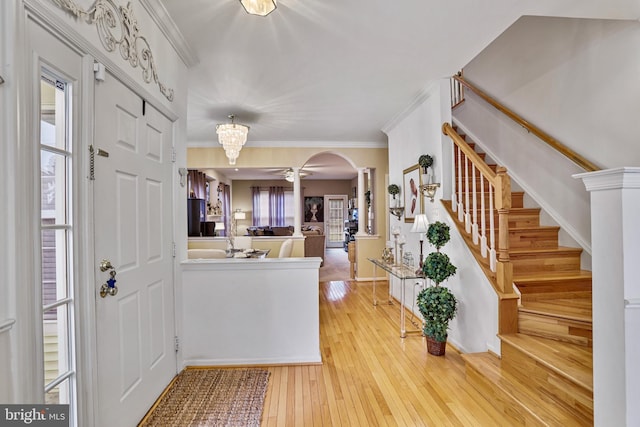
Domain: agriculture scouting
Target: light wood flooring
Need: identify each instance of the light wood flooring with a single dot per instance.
(370, 376)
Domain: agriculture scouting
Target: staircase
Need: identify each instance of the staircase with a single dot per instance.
(545, 374)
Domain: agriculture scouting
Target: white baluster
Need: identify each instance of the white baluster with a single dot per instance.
(474, 227)
(483, 220)
(467, 213)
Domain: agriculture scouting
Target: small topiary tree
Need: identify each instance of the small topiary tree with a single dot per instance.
(437, 304)
(438, 234)
(393, 189)
(425, 161)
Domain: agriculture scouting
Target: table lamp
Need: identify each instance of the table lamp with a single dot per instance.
(420, 225)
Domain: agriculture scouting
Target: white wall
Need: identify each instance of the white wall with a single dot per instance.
(251, 311)
(576, 80)
(419, 131)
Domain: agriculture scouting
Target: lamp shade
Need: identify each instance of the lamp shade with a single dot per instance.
(239, 215)
(259, 7)
(420, 224)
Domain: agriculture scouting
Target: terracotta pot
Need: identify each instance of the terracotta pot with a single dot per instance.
(436, 348)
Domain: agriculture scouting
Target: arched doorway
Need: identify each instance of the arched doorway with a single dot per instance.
(337, 210)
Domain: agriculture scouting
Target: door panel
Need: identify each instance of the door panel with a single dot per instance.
(336, 207)
(133, 223)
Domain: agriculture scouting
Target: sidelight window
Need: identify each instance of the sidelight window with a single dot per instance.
(56, 232)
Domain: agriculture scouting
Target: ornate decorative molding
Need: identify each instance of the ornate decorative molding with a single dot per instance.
(118, 29)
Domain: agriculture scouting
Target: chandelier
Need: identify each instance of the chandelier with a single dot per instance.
(259, 7)
(232, 136)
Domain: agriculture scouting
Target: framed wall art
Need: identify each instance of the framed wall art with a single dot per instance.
(411, 190)
(314, 209)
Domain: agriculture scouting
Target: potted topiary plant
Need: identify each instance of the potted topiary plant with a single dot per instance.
(438, 234)
(425, 161)
(393, 190)
(437, 304)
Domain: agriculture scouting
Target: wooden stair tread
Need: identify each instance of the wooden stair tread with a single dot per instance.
(516, 211)
(552, 276)
(533, 228)
(577, 309)
(571, 361)
(542, 411)
(538, 251)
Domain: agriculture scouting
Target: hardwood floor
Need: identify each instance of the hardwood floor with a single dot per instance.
(370, 376)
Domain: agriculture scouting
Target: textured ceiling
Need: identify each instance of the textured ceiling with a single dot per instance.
(338, 71)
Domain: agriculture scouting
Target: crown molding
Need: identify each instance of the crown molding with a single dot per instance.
(294, 144)
(168, 27)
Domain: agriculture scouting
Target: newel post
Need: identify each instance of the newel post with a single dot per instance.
(504, 268)
(615, 243)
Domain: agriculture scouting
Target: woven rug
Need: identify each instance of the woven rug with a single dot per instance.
(212, 397)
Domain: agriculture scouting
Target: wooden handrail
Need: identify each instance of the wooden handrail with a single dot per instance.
(551, 141)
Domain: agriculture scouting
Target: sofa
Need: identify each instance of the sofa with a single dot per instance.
(314, 242)
(270, 231)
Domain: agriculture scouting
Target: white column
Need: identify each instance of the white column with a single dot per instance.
(615, 239)
(362, 215)
(297, 204)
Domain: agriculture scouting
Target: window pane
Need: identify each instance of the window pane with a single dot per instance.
(288, 208)
(53, 120)
(53, 175)
(54, 266)
(264, 208)
(59, 394)
(56, 343)
(336, 220)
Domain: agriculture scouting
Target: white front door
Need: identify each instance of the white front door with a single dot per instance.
(133, 231)
(335, 214)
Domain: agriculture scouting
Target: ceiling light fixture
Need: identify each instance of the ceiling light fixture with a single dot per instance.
(289, 175)
(259, 7)
(232, 136)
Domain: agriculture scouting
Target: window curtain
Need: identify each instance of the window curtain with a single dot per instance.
(226, 208)
(255, 216)
(276, 206)
(197, 184)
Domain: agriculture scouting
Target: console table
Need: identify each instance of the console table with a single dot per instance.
(403, 273)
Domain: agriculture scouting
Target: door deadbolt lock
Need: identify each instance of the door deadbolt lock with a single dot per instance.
(108, 288)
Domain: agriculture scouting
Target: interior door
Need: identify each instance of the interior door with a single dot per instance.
(133, 232)
(335, 214)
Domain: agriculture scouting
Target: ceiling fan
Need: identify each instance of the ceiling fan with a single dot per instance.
(289, 174)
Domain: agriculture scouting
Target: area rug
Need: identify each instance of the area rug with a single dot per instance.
(211, 397)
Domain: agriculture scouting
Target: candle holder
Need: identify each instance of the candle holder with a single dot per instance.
(397, 211)
(396, 232)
